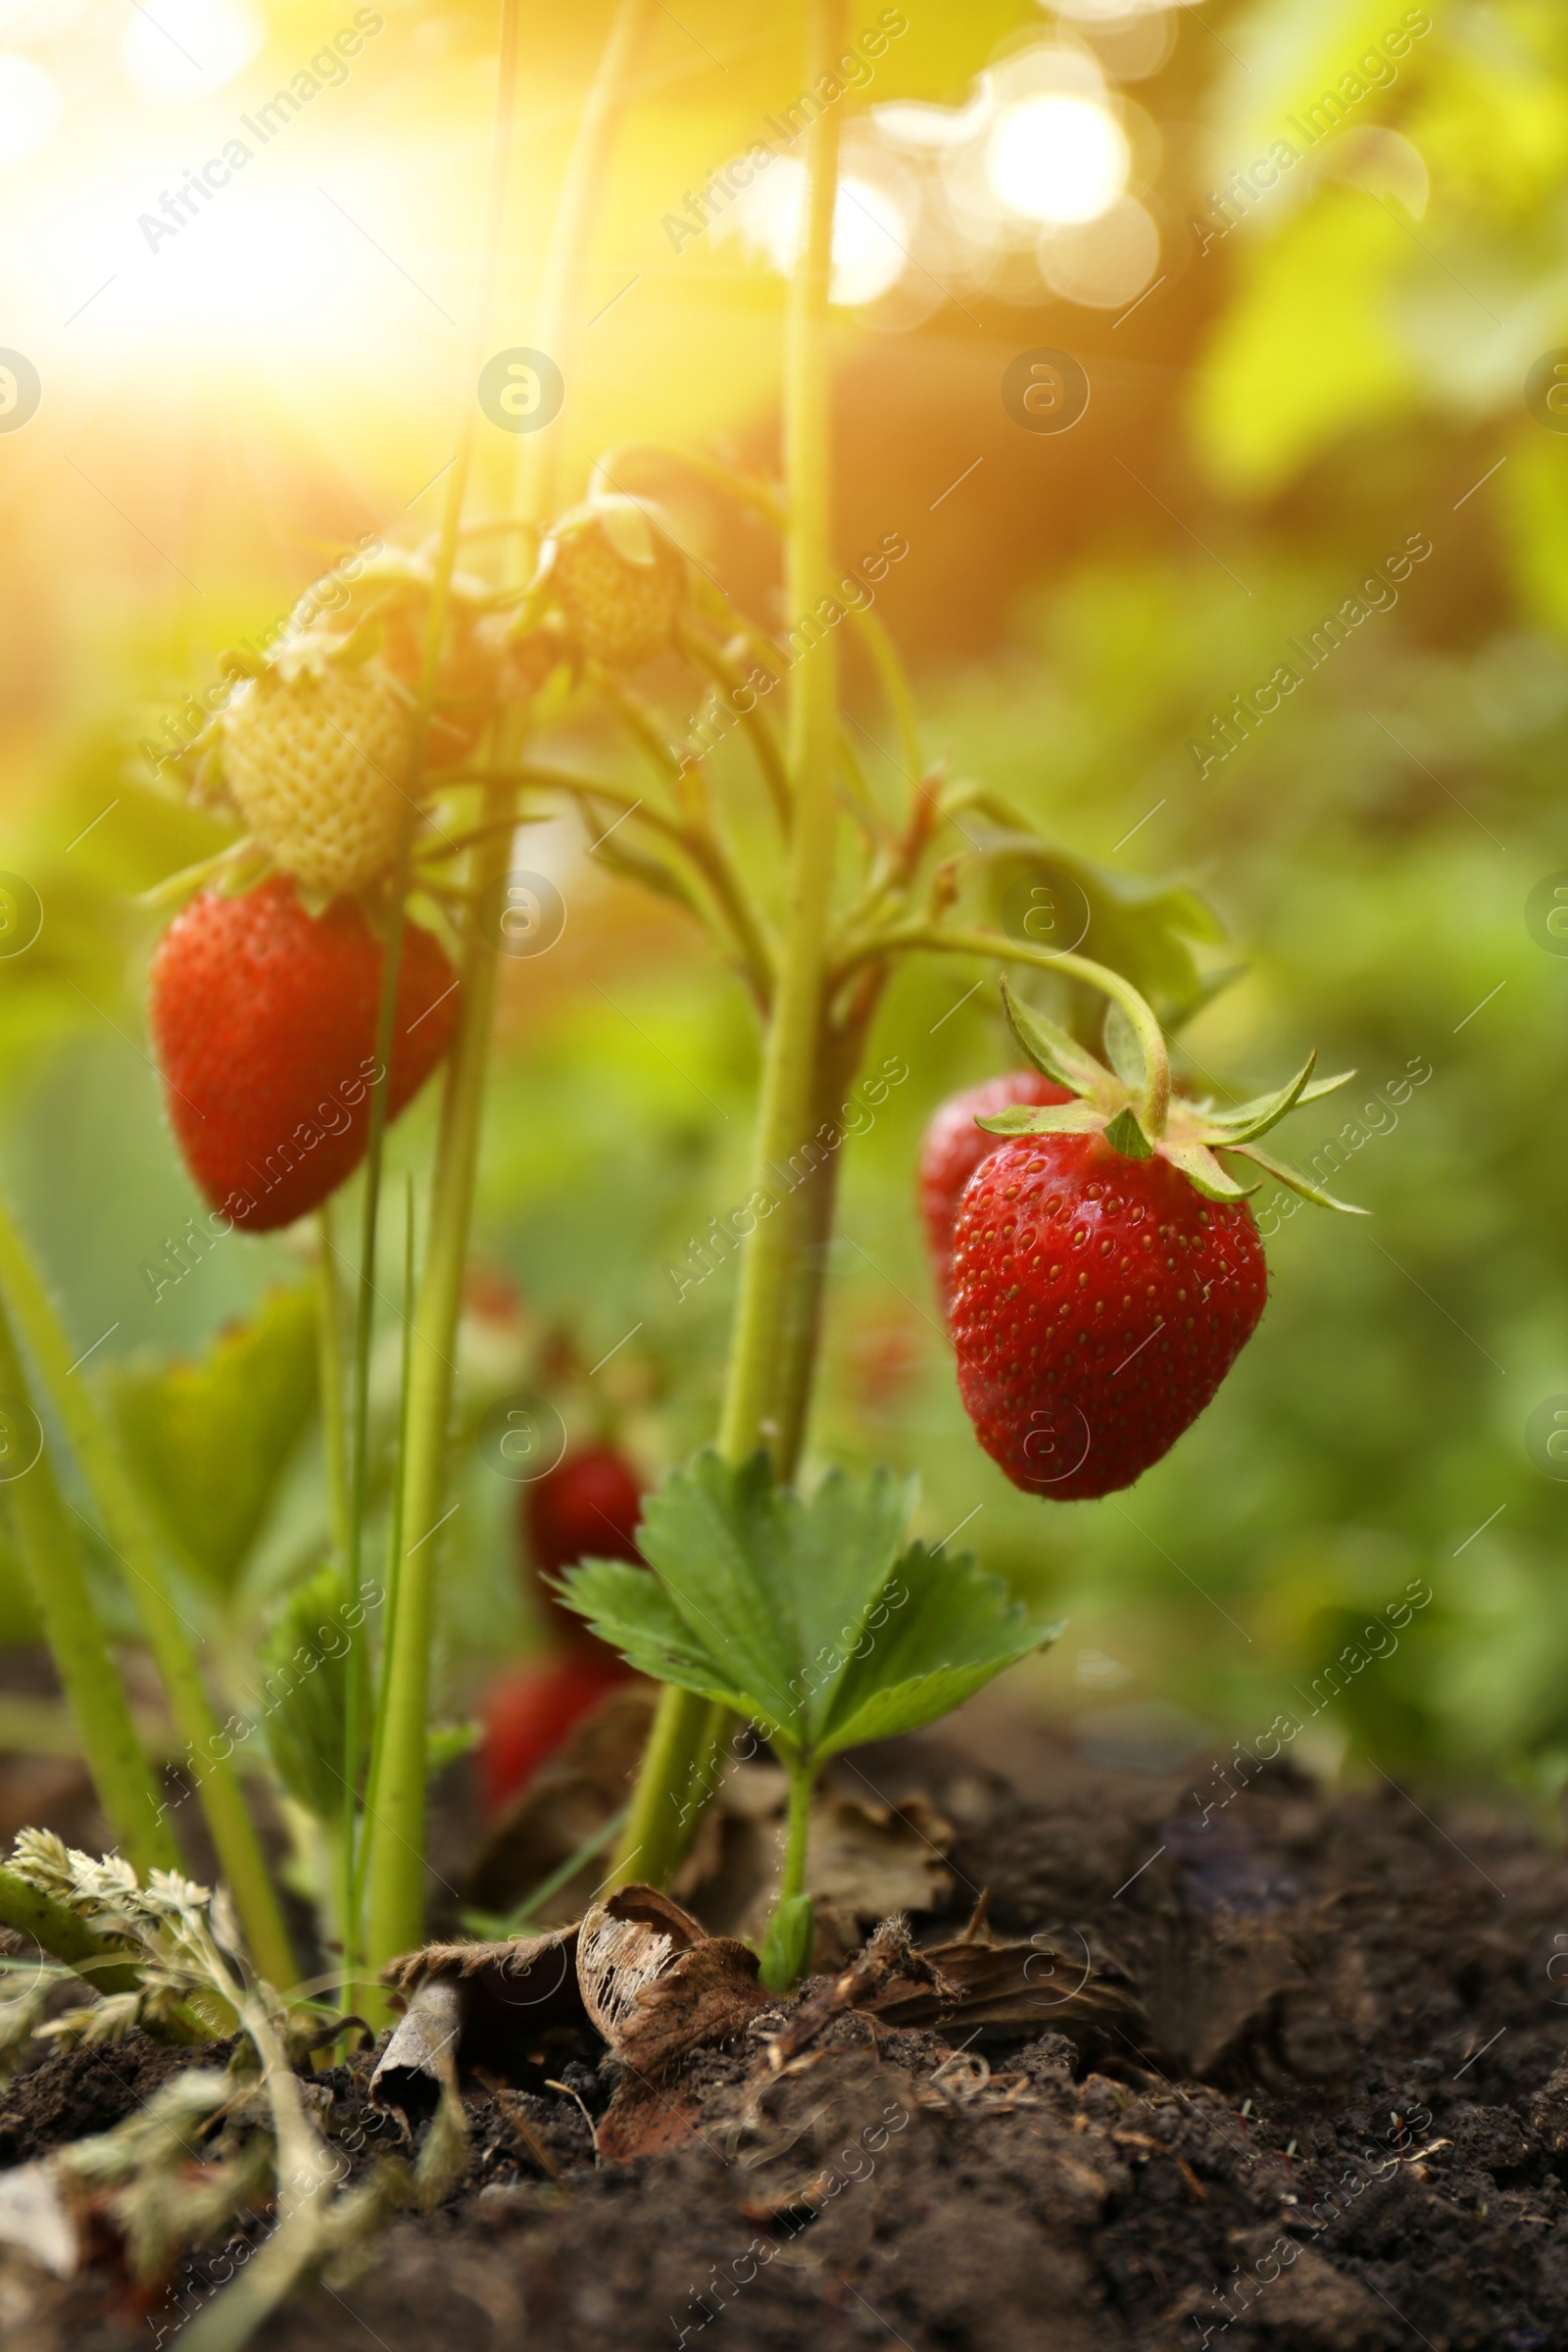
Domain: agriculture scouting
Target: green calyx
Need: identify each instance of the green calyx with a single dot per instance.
(1115, 1103)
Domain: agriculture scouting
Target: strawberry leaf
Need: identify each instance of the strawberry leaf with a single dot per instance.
(806, 1615)
(1059, 1057)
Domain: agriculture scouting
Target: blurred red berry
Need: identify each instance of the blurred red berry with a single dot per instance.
(952, 1150)
(587, 1508)
(529, 1713)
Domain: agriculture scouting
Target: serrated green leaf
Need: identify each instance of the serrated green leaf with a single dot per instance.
(803, 1614)
(1058, 1055)
(1124, 1135)
(1202, 1170)
(1043, 1118)
(209, 1441)
(1282, 1170)
(955, 1630)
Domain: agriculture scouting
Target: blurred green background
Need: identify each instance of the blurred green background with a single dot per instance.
(1280, 410)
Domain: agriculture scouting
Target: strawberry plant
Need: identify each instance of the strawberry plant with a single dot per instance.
(1088, 1224)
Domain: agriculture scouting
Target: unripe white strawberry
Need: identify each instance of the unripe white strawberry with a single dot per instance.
(618, 580)
(316, 756)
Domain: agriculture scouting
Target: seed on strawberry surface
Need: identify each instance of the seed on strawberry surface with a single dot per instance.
(263, 1021)
(954, 1147)
(316, 756)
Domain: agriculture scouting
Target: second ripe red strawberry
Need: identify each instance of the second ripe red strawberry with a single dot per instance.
(263, 1021)
(587, 1508)
(954, 1147)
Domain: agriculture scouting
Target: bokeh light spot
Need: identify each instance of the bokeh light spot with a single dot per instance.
(1057, 159)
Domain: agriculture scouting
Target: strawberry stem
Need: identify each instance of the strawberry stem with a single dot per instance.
(677, 1772)
(394, 1876)
(1155, 1106)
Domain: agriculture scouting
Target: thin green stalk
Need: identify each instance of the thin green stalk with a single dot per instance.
(51, 1563)
(667, 1794)
(1156, 1104)
(535, 487)
(397, 1830)
(784, 1119)
(329, 1329)
(130, 1535)
(394, 1566)
(792, 1881)
(436, 628)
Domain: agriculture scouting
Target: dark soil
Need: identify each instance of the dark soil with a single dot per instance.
(1343, 2125)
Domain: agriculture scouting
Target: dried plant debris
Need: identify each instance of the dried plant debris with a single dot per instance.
(567, 1803)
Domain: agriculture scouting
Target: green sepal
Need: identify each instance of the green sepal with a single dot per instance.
(1058, 1055)
(1298, 1183)
(1124, 1135)
(1203, 1171)
(1249, 1119)
(1122, 1049)
(787, 1945)
(1043, 1118)
(231, 872)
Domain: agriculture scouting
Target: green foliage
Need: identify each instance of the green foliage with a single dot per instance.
(808, 1616)
(787, 1945)
(1148, 928)
(304, 1670)
(209, 1441)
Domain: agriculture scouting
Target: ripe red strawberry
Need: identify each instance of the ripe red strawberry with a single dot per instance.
(263, 1021)
(1098, 1301)
(528, 1714)
(1106, 1268)
(952, 1150)
(586, 1508)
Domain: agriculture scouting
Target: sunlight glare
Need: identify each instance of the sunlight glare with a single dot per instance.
(176, 51)
(29, 108)
(1057, 159)
(869, 232)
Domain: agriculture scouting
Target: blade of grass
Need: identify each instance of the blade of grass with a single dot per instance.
(129, 1532)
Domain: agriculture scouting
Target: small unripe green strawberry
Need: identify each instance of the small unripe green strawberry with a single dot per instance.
(316, 756)
(618, 582)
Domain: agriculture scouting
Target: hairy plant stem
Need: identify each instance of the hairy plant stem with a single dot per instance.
(777, 1269)
(397, 1801)
(130, 1537)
